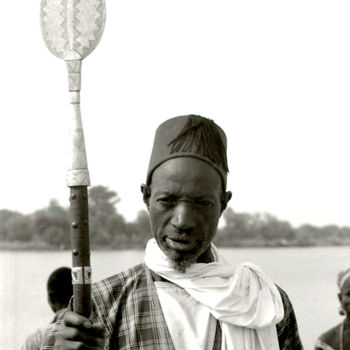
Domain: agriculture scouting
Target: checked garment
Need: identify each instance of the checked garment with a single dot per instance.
(128, 305)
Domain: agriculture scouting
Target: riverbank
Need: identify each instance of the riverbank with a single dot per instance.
(243, 243)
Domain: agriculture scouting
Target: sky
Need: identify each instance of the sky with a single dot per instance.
(275, 75)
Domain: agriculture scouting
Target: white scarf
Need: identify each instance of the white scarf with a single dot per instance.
(245, 301)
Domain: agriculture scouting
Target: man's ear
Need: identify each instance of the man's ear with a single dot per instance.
(339, 296)
(225, 198)
(146, 194)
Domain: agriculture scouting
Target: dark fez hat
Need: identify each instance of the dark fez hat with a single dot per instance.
(190, 136)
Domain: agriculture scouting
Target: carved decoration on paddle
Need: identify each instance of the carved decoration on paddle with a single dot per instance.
(72, 28)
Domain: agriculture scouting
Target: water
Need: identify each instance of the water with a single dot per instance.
(307, 274)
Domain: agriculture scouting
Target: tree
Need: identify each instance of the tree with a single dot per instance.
(139, 231)
(102, 201)
(57, 236)
(258, 227)
(237, 225)
(142, 223)
(52, 225)
(269, 227)
(104, 220)
(19, 228)
(5, 216)
(15, 226)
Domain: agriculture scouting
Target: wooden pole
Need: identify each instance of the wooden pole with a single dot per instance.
(71, 30)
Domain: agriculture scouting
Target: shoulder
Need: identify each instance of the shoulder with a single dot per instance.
(131, 278)
(320, 345)
(330, 337)
(288, 307)
(37, 338)
(287, 304)
(331, 333)
(287, 329)
(112, 295)
(118, 295)
(33, 341)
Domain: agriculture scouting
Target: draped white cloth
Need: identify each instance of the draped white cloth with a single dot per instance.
(190, 324)
(245, 301)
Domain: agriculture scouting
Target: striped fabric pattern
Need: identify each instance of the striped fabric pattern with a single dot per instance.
(128, 305)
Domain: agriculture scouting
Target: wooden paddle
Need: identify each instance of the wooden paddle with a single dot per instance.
(71, 30)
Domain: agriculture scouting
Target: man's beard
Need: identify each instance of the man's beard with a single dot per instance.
(180, 261)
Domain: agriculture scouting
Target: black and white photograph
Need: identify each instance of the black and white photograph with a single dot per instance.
(175, 175)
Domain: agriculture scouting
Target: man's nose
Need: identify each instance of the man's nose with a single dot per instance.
(183, 218)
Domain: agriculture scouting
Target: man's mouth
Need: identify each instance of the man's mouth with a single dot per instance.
(178, 243)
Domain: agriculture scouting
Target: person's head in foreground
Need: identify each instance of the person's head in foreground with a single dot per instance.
(185, 191)
(59, 288)
(338, 337)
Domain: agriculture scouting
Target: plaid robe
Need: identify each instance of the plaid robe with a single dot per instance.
(128, 305)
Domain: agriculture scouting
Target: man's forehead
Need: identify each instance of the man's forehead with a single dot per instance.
(189, 176)
(178, 191)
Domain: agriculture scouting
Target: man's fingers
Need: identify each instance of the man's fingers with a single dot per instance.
(77, 332)
(72, 319)
(92, 335)
(97, 329)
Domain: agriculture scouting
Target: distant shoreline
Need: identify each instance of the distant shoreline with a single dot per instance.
(42, 246)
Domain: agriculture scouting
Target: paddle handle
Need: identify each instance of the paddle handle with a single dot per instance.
(81, 269)
(78, 180)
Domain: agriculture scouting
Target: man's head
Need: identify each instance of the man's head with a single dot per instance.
(59, 288)
(186, 187)
(343, 282)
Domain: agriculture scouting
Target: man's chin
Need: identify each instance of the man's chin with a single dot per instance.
(180, 261)
(181, 265)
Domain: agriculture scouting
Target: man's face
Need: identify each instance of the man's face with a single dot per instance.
(344, 296)
(185, 203)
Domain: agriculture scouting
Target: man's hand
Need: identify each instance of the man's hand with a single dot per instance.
(78, 332)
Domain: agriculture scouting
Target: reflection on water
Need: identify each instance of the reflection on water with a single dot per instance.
(307, 274)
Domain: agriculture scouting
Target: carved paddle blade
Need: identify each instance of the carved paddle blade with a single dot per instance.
(72, 28)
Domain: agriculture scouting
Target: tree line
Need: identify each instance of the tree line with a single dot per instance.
(263, 229)
(49, 228)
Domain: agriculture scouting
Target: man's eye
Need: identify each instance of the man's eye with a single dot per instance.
(205, 203)
(167, 201)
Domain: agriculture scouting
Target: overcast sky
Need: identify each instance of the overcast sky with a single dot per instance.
(274, 74)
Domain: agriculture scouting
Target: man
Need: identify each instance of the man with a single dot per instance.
(59, 292)
(185, 296)
(338, 337)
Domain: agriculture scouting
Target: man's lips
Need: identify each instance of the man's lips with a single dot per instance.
(178, 243)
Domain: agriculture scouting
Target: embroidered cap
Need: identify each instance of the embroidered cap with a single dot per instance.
(190, 136)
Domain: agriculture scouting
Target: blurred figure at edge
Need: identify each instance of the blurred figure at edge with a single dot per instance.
(59, 292)
(338, 337)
